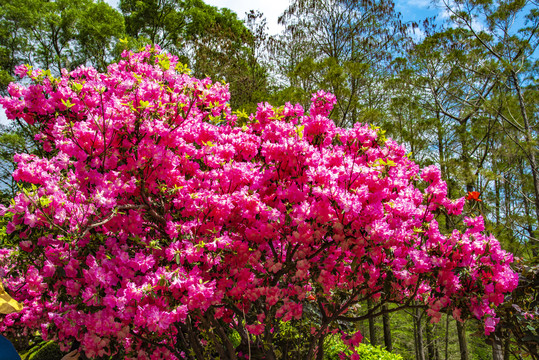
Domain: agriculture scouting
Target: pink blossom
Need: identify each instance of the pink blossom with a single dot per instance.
(147, 218)
(490, 325)
(22, 70)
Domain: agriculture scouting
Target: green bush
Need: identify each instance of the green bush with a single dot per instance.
(334, 346)
(44, 351)
(369, 352)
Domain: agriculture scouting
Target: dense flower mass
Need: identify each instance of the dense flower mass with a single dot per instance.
(156, 214)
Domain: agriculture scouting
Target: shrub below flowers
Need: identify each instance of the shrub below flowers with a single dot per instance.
(335, 349)
(157, 224)
(45, 351)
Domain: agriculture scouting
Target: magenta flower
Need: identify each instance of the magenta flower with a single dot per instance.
(157, 217)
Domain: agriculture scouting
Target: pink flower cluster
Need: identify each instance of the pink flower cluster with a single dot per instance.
(152, 212)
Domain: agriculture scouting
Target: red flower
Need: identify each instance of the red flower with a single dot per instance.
(473, 195)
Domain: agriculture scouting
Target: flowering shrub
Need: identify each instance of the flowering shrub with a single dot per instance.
(159, 225)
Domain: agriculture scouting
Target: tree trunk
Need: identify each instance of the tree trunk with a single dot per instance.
(430, 342)
(506, 349)
(497, 351)
(387, 331)
(463, 343)
(465, 157)
(372, 329)
(446, 357)
(420, 352)
(416, 347)
(497, 200)
(529, 226)
(507, 200)
(441, 150)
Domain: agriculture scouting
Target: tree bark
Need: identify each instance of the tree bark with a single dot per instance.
(430, 342)
(463, 343)
(387, 331)
(372, 329)
(497, 350)
(420, 351)
(507, 200)
(506, 349)
(446, 357)
(497, 200)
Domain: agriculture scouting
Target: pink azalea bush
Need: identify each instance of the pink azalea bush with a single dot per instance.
(158, 224)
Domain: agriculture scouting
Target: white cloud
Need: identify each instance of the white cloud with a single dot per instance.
(417, 34)
(113, 3)
(418, 3)
(450, 9)
(3, 117)
(271, 9)
(416, 10)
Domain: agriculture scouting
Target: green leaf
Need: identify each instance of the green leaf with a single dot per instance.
(299, 131)
(44, 201)
(182, 68)
(77, 87)
(67, 103)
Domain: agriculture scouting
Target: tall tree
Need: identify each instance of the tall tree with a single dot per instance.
(343, 47)
(508, 32)
(58, 34)
(468, 108)
(474, 80)
(212, 41)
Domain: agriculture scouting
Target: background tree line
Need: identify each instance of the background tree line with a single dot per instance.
(460, 93)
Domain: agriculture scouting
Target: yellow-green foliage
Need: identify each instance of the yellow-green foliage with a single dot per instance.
(334, 346)
(44, 351)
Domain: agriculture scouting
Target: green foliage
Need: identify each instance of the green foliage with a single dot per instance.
(368, 352)
(292, 338)
(334, 346)
(99, 29)
(5, 79)
(519, 311)
(13, 140)
(213, 42)
(480, 350)
(235, 338)
(57, 34)
(48, 350)
(344, 47)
